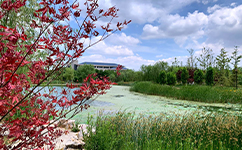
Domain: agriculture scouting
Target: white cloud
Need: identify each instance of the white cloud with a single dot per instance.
(177, 27)
(233, 4)
(212, 9)
(123, 39)
(205, 2)
(225, 26)
(159, 56)
(143, 11)
(110, 50)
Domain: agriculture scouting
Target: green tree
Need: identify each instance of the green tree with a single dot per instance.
(235, 60)
(162, 77)
(223, 63)
(184, 75)
(138, 76)
(82, 72)
(209, 77)
(198, 76)
(175, 63)
(205, 59)
(68, 74)
(191, 59)
(171, 78)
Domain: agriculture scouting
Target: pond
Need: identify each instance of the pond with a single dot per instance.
(120, 98)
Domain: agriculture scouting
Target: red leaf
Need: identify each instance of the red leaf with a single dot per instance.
(3, 27)
(41, 9)
(15, 99)
(74, 6)
(58, 1)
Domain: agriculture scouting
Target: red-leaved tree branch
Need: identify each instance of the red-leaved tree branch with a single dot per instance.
(24, 112)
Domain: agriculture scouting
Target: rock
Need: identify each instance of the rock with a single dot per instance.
(67, 124)
(61, 123)
(74, 144)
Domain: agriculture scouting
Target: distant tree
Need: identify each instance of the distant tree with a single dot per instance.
(162, 77)
(83, 71)
(236, 59)
(209, 77)
(198, 76)
(138, 76)
(146, 70)
(184, 75)
(175, 62)
(68, 74)
(151, 73)
(223, 61)
(191, 75)
(206, 58)
(178, 75)
(171, 78)
(191, 59)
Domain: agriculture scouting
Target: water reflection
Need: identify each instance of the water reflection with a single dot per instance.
(58, 90)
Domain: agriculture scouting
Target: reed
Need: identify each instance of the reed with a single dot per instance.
(200, 93)
(124, 131)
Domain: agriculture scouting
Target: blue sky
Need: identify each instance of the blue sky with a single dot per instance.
(164, 29)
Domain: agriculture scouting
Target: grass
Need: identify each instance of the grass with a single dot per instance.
(123, 131)
(198, 93)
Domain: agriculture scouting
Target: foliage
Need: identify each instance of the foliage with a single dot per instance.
(68, 74)
(236, 59)
(151, 73)
(222, 62)
(171, 78)
(190, 80)
(190, 131)
(75, 128)
(198, 76)
(184, 75)
(19, 90)
(162, 77)
(209, 76)
(206, 58)
(208, 94)
(178, 75)
(82, 72)
(191, 60)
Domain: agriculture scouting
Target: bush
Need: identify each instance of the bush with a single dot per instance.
(162, 77)
(178, 75)
(209, 77)
(198, 76)
(184, 75)
(171, 79)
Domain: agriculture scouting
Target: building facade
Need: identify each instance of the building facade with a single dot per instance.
(97, 65)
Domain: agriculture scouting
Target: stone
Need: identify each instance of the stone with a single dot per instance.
(74, 144)
(67, 124)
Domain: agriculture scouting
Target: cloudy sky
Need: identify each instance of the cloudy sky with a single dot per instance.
(164, 29)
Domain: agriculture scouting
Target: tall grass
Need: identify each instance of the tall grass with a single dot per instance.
(123, 131)
(198, 93)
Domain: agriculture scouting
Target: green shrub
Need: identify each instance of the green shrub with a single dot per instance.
(184, 75)
(162, 77)
(198, 76)
(75, 128)
(209, 77)
(171, 78)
